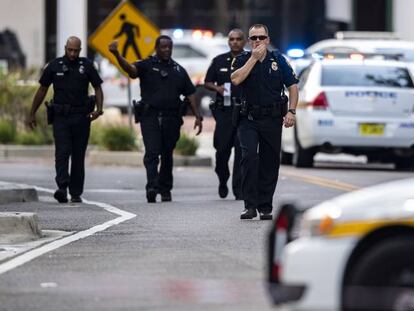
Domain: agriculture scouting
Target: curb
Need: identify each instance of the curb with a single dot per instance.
(10, 193)
(19, 227)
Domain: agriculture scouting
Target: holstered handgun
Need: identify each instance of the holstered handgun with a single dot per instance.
(184, 106)
(90, 104)
(212, 105)
(50, 112)
(284, 104)
(138, 110)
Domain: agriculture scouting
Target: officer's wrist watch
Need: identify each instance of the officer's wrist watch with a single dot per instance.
(292, 111)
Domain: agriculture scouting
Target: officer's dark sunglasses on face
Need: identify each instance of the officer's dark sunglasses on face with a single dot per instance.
(254, 38)
(235, 39)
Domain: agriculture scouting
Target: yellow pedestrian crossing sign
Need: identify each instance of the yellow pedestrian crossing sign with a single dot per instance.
(135, 33)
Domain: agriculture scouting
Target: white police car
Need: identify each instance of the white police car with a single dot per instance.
(353, 105)
(354, 252)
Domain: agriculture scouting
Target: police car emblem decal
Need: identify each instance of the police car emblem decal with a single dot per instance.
(81, 69)
(274, 66)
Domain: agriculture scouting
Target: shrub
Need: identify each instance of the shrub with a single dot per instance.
(186, 145)
(17, 90)
(95, 135)
(30, 138)
(7, 132)
(118, 138)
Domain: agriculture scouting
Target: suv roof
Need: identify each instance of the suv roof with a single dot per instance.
(361, 45)
(366, 35)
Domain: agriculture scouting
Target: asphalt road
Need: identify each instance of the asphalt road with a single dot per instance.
(125, 254)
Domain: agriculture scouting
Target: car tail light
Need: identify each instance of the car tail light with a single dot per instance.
(281, 227)
(320, 102)
(280, 235)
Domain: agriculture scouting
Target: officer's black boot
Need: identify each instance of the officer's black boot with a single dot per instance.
(166, 196)
(223, 190)
(61, 195)
(76, 199)
(248, 214)
(151, 195)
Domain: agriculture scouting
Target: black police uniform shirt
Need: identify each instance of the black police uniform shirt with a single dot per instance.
(162, 83)
(70, 80)
(263, 86)
(219, 72)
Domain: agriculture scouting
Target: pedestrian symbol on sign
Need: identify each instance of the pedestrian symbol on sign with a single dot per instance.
(131, 31)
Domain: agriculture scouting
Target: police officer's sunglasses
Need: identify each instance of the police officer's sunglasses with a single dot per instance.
(254, 38)
(236, 39)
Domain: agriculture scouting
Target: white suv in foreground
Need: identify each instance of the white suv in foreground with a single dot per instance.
(354, 252)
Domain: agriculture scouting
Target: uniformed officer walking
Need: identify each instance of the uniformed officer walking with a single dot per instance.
(72, 112)
(162, 82)
(225, 134)
(262, 75)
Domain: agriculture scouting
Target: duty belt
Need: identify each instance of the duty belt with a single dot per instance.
(64, 110)
(257, 111)
(163, 112)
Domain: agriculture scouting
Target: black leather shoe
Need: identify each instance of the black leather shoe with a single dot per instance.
(76, 199)
(151, 195)
(248, 214)
(266, 216)
(166, 197)
(61, 196)
(223, 191)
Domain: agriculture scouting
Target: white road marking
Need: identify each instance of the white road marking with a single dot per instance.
(30, 255)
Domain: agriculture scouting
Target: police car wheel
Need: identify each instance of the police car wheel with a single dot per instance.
(387, 268)
(286, 158)
(404, 163)
(302, 157)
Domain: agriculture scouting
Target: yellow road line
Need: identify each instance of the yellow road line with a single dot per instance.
(324, 182)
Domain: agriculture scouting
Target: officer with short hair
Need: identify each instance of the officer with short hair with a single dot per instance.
(262, 75)
(72, 112)
(162, 83)
(225, 134)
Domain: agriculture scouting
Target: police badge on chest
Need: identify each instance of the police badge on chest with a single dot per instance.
(81, 69)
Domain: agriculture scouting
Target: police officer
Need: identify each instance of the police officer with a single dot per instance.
(73, 112)
(225, 135)
(262, 75)
(162, 82)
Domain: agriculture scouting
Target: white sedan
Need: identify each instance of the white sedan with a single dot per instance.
(354, 252)
(357, 106)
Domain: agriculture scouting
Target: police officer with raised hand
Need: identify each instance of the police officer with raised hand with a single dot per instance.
(225, 134)
(162, 83)
(262, 75)
(71, 114)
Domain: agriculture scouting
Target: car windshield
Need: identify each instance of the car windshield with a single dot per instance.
(362, 75)
(185, 51)
(408, 55)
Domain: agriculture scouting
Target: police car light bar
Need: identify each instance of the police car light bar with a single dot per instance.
(360, 56)
(366, 35)
(295, 53)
